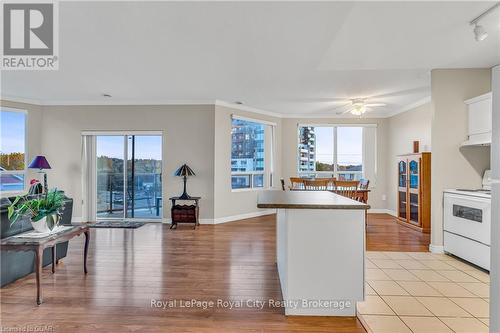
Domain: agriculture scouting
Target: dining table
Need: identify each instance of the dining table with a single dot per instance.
(360, 195)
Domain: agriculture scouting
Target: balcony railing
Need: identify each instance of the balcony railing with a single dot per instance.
(144, 194)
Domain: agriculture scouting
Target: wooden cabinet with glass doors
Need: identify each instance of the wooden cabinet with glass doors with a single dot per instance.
(414, 191)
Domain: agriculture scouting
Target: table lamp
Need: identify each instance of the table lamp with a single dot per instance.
(184, 171)
(40, 162)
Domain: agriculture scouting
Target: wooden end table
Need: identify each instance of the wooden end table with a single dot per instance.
(185, 213)
(37, 245)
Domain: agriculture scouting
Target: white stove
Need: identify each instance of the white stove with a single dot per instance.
(467, 223)
(481, 193)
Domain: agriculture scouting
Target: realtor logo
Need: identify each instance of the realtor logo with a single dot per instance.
(30, 36)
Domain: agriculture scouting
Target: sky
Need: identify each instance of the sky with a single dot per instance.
(146, 146)
(350, 145)
(12, 127)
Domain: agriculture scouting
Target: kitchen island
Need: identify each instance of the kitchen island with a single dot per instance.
(320, 250)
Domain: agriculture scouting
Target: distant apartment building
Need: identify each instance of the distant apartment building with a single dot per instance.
(247, 154)
(247, 151)
(307, 149)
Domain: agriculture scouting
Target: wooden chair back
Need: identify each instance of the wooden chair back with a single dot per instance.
(297, 183)
(346, 184)
(317, 184)
(282, 184)
(349, 193)
(331, 183)
(363, 184)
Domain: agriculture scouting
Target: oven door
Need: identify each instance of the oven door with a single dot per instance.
(468, 216)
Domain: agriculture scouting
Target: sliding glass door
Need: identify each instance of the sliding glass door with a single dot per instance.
(128, 187)
(144, 176)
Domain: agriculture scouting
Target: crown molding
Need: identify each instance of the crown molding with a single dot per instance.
(15, 99)
(332, 116)
(409, 107)
(125, 102)
(248, 109)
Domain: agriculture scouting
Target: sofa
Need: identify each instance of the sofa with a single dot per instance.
(15, 265)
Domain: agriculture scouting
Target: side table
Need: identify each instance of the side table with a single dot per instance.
(185, 213)
(37, 245)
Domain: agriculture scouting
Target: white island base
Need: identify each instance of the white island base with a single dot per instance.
(320, 257)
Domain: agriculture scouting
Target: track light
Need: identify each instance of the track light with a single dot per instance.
(479, 33)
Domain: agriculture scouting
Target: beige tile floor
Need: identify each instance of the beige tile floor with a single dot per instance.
(423, 292)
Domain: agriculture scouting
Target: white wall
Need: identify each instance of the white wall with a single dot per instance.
(289, 151)
(34, 130)
(452, 166)
(402, 130)
(188, 137)
(199, 135)
(230, 204)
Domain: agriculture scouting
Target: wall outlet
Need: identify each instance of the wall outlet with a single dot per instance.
(384, 197)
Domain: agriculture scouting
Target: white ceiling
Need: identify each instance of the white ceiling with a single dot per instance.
(291, 58)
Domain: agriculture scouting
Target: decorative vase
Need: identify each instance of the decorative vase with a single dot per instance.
(46, 224)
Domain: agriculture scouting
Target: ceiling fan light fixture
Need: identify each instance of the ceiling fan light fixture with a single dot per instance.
(357, 112)
(358, 107)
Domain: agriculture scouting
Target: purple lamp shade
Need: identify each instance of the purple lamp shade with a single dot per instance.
(39, 162)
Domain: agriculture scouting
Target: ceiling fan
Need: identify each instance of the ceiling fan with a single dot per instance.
(357, 107)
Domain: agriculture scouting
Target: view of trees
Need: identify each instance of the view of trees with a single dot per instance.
(110, 172)
(323, 166)
(12, 161)
(329, 167)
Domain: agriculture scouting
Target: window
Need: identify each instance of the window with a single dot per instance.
(249, 160)
(330, 151)
(349, 153)
(12, 150)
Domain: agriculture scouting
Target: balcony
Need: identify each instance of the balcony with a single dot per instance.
(143, 200)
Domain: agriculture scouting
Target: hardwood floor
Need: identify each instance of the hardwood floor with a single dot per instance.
(383, 233)
(128, 268)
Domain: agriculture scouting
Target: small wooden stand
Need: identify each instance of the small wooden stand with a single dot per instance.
(185, 213)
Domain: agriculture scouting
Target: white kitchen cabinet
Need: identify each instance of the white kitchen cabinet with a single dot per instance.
(479, 112)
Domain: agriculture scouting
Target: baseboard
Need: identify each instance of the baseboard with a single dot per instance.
(436, 248)
(382, 211)
(392, 213)
(202, 221)
(232, 218)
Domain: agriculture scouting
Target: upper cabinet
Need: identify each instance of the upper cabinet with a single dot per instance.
(479, 112)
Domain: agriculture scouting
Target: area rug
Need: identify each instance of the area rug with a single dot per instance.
(117, 224)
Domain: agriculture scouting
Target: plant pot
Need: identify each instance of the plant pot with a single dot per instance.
(46, 224)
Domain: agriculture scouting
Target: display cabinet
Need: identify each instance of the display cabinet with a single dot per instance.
(414, 191)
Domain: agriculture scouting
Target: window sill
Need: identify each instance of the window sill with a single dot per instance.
(251, 189)
(12, 194)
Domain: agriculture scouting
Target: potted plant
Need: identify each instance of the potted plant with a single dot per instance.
(44, 211)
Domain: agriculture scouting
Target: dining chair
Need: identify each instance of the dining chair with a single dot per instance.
(347, 188)
(316, 184)
(363, 184)
(346, 184)
(297, 183)
(331, 183)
